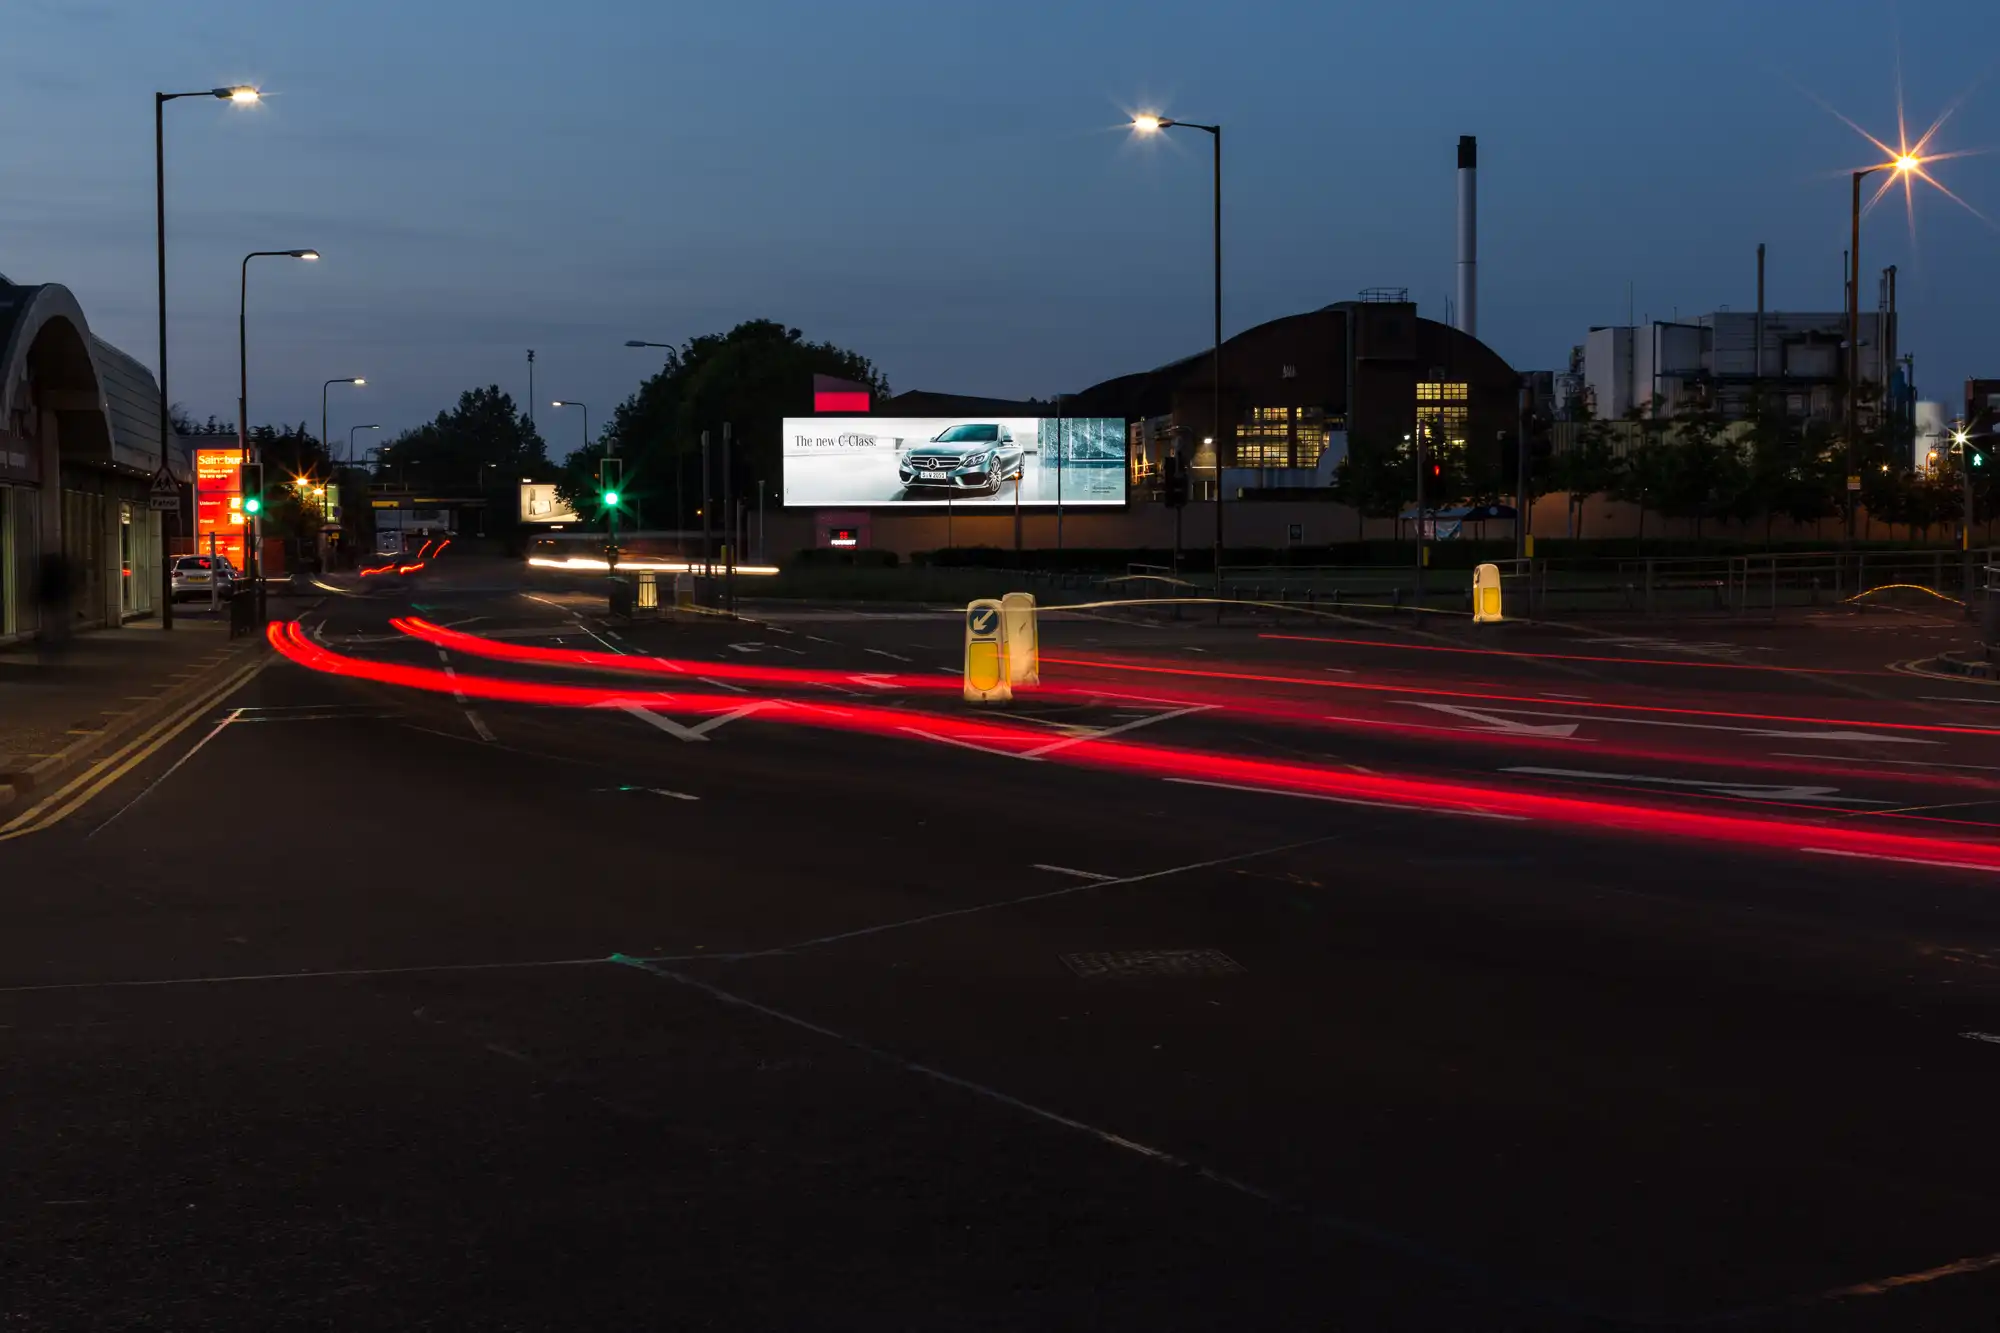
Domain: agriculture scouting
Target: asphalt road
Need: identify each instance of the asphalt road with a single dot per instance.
(1314, 974)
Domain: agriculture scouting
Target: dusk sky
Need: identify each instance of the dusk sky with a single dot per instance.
(948, 187)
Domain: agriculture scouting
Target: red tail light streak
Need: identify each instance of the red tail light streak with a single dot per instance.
(1013, 741)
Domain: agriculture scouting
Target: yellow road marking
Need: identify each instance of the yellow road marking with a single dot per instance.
(88, 785)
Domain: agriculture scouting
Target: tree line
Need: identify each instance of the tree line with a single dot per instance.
(1694, 466)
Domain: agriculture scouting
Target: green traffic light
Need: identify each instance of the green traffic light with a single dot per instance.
(252, 505)
(611, 497)
(1978, 459)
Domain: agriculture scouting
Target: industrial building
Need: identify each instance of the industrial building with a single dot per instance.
(1719, 360)
(79, 443)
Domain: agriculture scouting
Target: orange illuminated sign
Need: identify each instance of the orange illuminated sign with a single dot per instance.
(218, 503)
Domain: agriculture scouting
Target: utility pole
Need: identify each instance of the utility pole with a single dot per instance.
(1523, 516)
(531, 386)
(728, 527)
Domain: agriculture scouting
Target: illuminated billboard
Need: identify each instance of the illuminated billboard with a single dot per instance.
(996, 461)
(218, 504)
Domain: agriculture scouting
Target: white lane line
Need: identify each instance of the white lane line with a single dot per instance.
(1043, 896)
(817, 639)
(1584, 697)
(1901, 860)
(1075, 874)
(669, 664)
(1722, 787)
(1871, 761)
(883, 652)
(721, 684)
(1982, 1036)
(299, 976)
(1350, 800)
(966, 745)
(1103, 1136)
(949, 671)
(1108, 732)
(234, 715)
(479, 725)
(1947, 699)
(1878, 737)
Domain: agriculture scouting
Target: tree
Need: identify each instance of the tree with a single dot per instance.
(1377, 481)
(1588, 468)
(1702, 472)
(751, 377)
(483, 446)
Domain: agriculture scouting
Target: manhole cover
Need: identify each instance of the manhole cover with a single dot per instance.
(1153, 963)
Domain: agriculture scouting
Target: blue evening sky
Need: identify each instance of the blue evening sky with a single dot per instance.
(946, 186)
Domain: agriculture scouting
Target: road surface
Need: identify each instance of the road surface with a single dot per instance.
(1301, 974)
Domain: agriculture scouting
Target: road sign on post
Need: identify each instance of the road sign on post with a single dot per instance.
(1024, 648)
(1486, 595)
(986, 666)
(166, 496)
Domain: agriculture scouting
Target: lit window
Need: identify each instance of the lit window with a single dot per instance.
(1265, 438)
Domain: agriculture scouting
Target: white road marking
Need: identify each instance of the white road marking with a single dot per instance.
(1503, 725)
(478, 725)
(1748, 790)
(966, 745)
(1901, 860)
(1103, 1136)
(1947, 699)
(1076, 874)
(1108, 732)
(299, 976)
(747, 647)
(1622, 720)
(235, 714)
(698, 732)
(1043, 896)
(721, 684)
(1982, 1036)
(874, 680)
(817, 639)
(1871, 760)
(883, 652)
(1349, 800)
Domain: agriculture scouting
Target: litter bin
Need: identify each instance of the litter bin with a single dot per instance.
(649, 591)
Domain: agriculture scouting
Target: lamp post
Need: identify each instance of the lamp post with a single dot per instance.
(350, 440)
(254, 557)
(239, 96)
(324, 442)
(571, 402)
(1154, 125)
(1905, 163)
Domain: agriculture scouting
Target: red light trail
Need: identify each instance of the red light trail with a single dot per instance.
(1195, 766)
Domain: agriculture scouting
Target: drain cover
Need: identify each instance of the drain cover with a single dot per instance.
(1153, 963)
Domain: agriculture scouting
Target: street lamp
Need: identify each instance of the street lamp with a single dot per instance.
(1150, 124)
(1903, 164)
(254, 558)
(326, 443)
(571, 402)
(240, 95)
(350, 439)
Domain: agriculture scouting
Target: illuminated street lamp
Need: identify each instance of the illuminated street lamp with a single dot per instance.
(1902, 164)
(1151, 124)
(350, 439)
(571, 402)
(240, 95)
(254, 557)
(324, 442)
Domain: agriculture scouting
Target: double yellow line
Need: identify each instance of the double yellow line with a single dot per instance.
(88, 785)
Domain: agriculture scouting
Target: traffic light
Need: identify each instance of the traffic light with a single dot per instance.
(253, 504)
(253, 489)
(610, 481)
(1173, 475)
(1978, 459)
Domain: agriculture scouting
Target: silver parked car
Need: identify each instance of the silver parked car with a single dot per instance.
(204, 576)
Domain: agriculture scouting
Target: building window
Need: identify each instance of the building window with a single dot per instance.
(1442, 415)
(1311, 432)
(1265, 438)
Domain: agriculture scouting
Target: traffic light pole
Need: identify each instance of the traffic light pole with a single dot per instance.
(1522, 516)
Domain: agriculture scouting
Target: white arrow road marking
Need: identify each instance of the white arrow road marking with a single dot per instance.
(1506, 725)
(1053, 746)
(875, 680)
(698, 732)
(1749, 790)
(1972, 1036)
(1624, 720)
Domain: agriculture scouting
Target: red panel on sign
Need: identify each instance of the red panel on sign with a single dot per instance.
(840, 402)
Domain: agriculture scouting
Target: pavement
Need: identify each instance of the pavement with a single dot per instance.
(1324, 974)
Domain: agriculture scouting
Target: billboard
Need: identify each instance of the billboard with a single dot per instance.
(996, 461)
(540, 504)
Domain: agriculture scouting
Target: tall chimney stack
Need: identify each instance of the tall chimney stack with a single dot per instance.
(1468, 235)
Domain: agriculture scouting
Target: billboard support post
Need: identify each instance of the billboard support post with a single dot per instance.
(929, 464)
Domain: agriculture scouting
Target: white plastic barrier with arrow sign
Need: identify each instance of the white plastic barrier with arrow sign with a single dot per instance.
(1024, 643)
(986, 666)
